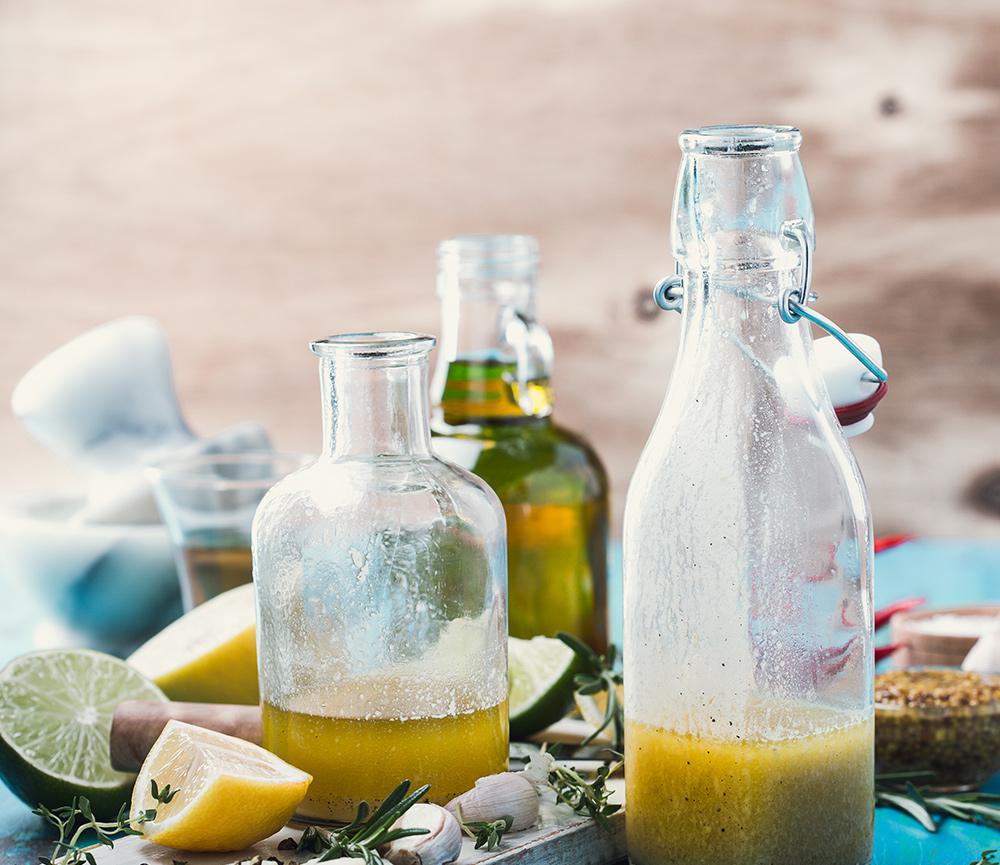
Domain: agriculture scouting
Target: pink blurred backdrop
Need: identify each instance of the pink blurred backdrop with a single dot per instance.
(254, 173)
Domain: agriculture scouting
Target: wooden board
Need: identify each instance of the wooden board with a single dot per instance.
(561, 838)
(245, 166)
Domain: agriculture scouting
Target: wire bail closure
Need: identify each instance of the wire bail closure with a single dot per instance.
(793, 304)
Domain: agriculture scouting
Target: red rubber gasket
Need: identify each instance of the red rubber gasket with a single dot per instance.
(858, 411)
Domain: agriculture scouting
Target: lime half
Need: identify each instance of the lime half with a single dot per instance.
(541, 683)
(55, 720)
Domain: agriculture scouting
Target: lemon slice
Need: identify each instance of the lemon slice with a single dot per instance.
(208, 655)
(230, 793)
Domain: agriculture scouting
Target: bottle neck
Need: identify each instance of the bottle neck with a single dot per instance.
(375, 407)
(494, 360)
(733, 336)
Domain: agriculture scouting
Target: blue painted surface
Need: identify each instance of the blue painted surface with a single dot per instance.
(945, 572)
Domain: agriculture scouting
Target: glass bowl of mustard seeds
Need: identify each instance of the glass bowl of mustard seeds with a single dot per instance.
(940, 720)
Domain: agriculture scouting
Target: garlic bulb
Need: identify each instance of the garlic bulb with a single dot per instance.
(443, 844)
(495, 796)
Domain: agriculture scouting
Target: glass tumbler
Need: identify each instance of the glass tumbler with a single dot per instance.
(208, 503)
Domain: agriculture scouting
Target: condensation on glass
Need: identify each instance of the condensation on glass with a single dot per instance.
(493, 415)
(747, 549)
(380, 572)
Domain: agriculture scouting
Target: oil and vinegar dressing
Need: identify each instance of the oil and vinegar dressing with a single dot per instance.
(362, 757)
(553, 490)
(803, 799)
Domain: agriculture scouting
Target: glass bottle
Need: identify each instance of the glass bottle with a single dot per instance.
(747, 549)
(380, 574)
(493, 415)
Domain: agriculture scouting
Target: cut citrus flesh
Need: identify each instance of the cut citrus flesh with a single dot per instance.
(55, 718)
(592, 708)
(208, 655)
(230, 793)
(541, 683)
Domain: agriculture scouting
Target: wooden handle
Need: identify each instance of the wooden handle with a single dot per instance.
(137, 725)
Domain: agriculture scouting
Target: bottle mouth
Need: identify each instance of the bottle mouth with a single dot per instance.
(375, 345)
(489, 256)
(740, 140)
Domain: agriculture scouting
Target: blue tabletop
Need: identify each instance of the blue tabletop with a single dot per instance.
(945, 572)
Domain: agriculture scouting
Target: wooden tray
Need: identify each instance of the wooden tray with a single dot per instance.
(561, 838)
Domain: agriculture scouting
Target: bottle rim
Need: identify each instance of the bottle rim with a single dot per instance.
(222, 471)
(489, 257)
(740, 140)
(373, 345)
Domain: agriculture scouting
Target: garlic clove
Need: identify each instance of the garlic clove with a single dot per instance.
(496, 796)
(539, 766)
(442, 844)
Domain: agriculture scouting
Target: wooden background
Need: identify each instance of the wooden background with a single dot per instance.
(254, 173)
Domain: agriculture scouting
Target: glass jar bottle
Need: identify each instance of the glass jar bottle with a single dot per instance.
(747, 548)
(380, 574)
(493, 415)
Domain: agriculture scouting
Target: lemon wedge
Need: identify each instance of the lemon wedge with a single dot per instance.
(230, 793)
(208, 655)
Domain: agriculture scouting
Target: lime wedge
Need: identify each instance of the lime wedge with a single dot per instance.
(541, 683)
(55, 719)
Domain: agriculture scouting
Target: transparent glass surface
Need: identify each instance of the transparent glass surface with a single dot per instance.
(493, 415)
(380, 573)
(747, 552)
(208, 503)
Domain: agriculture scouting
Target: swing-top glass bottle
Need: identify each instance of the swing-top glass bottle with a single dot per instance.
(747, 548)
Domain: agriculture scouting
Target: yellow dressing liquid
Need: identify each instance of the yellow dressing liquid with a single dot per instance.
(801, 800)
(355, 759)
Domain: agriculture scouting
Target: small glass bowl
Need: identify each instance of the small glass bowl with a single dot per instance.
(940, 720)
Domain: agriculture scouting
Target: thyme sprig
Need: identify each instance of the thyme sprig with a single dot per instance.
(73, 821)
(587, 798)
(898, 791)
(598, 675)
(361, 838)
(488, 834)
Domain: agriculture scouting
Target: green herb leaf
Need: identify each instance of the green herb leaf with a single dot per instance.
(599, 676)
(897, 790)
(588, 798)
(73, 821)
(362, 837)
(488, 834)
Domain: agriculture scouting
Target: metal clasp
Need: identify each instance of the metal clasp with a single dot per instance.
(793, 303)
(669, 292)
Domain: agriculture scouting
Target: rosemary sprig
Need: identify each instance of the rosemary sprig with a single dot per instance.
(73, 821)
(988, 857)
(488, 834)
(599, 675)
(898, 791)
(588, 798)
(365, 834)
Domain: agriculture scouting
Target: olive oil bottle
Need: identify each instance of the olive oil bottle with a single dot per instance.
(493, 416)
